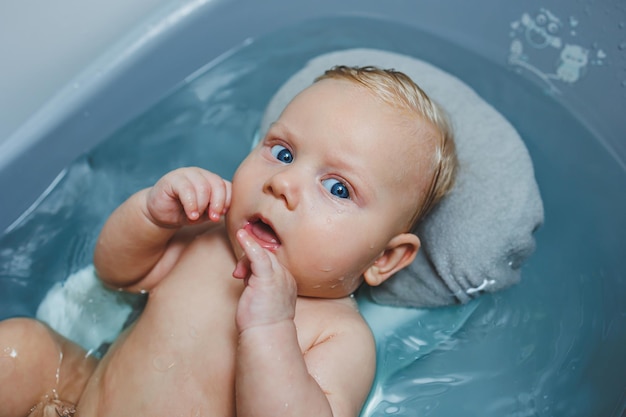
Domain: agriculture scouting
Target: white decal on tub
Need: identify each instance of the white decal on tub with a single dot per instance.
(572, 61)
(542, 46)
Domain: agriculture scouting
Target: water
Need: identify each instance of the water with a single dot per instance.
(550, 346)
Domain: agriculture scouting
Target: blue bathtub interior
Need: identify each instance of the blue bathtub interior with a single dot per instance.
(552, 345)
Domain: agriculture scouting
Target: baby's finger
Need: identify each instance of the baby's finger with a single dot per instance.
(201, 190)
(183, 189)
(224, 204)
(242, 269)
(229, 194)
(218, 198)
(260, 261)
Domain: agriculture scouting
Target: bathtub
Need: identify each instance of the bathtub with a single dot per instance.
(552, 345)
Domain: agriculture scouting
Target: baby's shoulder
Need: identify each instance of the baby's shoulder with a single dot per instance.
(337, 343)
(326, 318)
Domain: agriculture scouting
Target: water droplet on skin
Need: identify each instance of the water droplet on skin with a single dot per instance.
(7, 366)
(7, 361)
(164, 362)
(621, 46)
(10, 352)
(193, 332)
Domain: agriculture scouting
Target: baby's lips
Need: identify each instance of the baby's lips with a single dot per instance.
(263, 234)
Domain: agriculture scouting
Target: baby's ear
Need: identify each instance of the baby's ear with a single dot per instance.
(400, 252)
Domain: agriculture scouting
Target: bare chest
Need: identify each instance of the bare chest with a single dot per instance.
(179, 357)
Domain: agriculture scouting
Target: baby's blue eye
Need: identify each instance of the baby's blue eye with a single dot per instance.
(282, 154)
(336, 188)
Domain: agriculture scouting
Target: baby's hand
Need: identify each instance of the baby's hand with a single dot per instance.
(270, 293)
(188, 196)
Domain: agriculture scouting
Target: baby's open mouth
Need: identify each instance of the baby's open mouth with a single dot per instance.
(263, 233)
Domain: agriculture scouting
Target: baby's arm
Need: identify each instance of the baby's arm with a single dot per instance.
(143, 238)
(273, 377)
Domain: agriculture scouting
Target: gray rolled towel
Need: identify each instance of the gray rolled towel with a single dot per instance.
(479, 235)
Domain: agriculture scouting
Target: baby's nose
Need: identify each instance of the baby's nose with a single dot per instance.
(284, 185)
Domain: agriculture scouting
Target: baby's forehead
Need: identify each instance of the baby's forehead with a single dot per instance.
(411, 160)
(405, 142)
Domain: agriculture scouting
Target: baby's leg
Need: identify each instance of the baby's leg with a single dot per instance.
(38, 365)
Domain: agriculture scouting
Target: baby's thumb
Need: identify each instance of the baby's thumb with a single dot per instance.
(242, 269)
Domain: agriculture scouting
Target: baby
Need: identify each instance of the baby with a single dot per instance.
(325, 202)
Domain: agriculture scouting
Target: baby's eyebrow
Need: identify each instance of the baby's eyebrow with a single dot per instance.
(277, 125)
(274, 125)
(278, 130)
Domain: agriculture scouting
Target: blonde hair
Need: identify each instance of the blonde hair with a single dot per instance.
(397, 89)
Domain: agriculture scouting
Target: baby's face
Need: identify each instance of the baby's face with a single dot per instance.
(332, 182)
